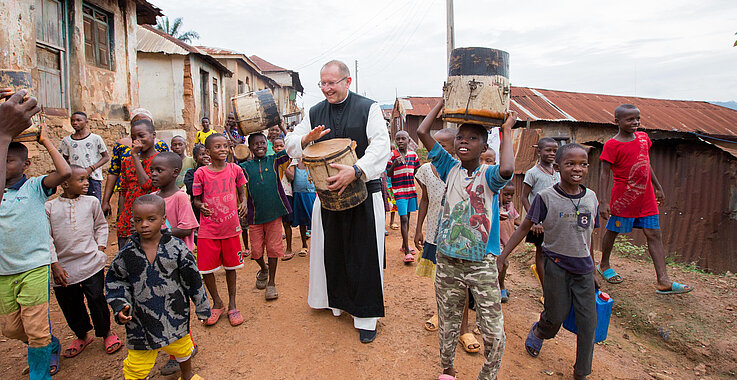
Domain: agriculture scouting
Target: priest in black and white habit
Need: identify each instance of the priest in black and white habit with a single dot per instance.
(347, 250)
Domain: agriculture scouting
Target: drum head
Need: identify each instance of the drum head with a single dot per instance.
(326, 148)
(241, 152)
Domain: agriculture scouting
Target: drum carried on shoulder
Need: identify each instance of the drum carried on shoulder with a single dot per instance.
(478, 89)
(318, 157)
(255, 111)
(21, 80)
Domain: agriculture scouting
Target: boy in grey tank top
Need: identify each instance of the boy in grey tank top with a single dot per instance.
(568, 212)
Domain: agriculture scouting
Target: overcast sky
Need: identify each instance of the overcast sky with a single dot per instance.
(674, 49)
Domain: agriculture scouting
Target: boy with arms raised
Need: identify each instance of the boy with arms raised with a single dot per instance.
(267, 203)
(634, 199)
(401, 170)
(86, 149)
(80, 233)
(25, 256)
(468, 238)
(568, 212)
(149, 286)
(220, 193)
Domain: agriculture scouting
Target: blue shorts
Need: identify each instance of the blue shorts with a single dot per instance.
(405, 206)
(624, 225)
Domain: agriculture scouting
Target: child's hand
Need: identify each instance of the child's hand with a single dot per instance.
(510, 120)
(419, 240)
(43, 136)
(204, 210)
(537, 229)
(137, 146)
(124, 315)
(242, 209)
(106, 208)
(604, 210)
(659, 196)
(503, 215)
(60, 275)
(596, 283)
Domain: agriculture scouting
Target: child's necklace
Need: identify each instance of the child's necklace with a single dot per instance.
(545, 170)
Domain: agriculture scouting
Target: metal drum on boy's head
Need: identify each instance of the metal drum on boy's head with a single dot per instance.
(318, 157)
(21, 80)
(255, 111)
(478, 89)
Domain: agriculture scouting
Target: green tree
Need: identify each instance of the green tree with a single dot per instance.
(174, 29)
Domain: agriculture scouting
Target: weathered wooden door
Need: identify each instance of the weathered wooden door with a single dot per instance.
(51, 53)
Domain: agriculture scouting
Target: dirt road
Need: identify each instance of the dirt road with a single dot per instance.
(285, 339)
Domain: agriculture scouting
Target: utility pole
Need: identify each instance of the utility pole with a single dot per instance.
(356, 76)
(451, 29)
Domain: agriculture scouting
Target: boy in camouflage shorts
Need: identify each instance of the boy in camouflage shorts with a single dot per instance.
(468, 238)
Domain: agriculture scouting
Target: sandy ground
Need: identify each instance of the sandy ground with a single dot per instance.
(285, 339)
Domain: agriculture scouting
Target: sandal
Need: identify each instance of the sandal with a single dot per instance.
(235, 317)
(287, 257)
(54, 363)
(271, 293)
(214, 317)
(610, 275)
(76, 348)
(408, 258)
(395, 226)
(171, 367)
(676, 288)
(261, 277)
(303, 252)
(533, 344)
(112, 343)
(505, 295)
(446, 377)
(245, 254)
(469, 342)
(432, 323)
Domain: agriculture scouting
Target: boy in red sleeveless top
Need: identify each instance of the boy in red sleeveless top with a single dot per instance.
(635, 197)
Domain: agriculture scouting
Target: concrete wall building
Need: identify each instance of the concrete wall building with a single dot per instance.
(82, 57)
(179, 83)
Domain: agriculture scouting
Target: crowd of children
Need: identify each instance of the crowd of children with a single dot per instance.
(181, 219)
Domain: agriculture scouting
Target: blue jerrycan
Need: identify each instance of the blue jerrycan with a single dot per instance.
(603, 314)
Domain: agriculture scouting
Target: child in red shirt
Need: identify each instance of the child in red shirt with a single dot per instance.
(134, 174)
(220, 193)
(635, 197)
(401, 168)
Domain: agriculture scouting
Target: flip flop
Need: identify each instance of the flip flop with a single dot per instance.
(446, 377)
(408, 258)
(76, 348)
(432, 323)
(214, 317)
(244, 254)
(394, 226)
(468, 340)
(676, 288)
(533, 344)
(287, 257)
(261, 277)
(303, 252)
(235, 317)
(54, 364)
(505, 295)
(610, 275)
(111, 342)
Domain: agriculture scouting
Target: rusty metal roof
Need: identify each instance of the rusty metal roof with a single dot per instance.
(152, 40)
(658, 114)
(264, 65)
(146, 12)
(418, 105)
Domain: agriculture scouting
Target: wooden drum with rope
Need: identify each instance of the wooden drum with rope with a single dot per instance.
(478, 89)
(255, 111)
(318, 157)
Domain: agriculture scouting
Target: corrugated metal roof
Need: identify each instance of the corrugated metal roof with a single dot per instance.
(419, 105)
(152, 40)
(657, 114)
(264, 65)
(146, 12)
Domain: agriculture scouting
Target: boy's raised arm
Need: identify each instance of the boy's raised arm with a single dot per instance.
(506, 150)
(423, 131)
(63, 171)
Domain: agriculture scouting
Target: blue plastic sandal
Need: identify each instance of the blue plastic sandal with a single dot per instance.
(505, 295)
(676, 288)
(533, 344)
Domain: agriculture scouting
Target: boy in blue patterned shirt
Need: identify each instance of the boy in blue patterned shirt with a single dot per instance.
(468, 237)
(153, 300)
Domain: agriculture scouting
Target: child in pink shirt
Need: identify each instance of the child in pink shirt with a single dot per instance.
(179, 215)
(220, 194)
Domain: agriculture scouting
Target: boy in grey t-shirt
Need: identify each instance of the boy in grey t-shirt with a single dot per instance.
(86, 149)
(539, 177)
(569, 213)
